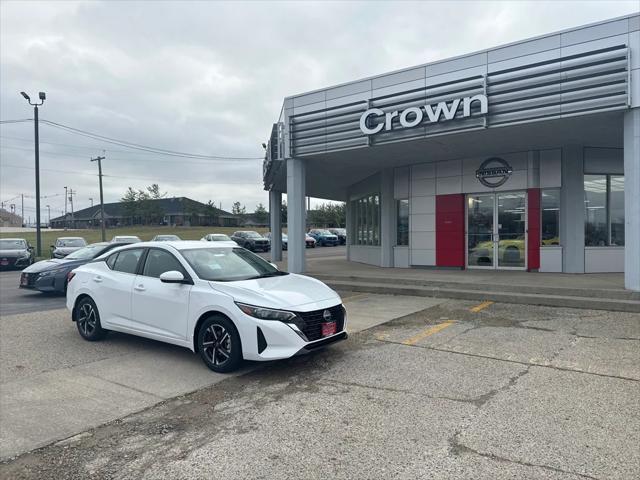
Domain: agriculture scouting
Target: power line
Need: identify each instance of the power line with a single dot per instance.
(2, 122)
(138, 146)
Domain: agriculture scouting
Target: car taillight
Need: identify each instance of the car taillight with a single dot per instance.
(70, 276)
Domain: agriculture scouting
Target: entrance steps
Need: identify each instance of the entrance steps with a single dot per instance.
(552, 296)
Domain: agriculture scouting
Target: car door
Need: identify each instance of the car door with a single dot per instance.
(112, 287)
(158, 308)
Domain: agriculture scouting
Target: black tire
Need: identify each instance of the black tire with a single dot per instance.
(88, 320)
(219, 344)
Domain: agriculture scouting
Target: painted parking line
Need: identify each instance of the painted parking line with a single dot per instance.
(354, 297)
(428, 332)
(481, 306)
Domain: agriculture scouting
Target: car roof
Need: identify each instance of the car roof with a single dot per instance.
(13, 239)
(183, 244)
(70, 238)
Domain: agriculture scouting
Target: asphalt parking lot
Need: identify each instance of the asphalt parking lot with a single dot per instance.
(458, 390)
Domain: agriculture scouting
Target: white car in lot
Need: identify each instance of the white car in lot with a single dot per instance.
(223, 302)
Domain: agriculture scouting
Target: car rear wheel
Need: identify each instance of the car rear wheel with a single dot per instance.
(88, 320)
(219, 344)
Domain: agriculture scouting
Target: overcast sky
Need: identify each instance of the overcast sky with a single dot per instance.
(210, 77)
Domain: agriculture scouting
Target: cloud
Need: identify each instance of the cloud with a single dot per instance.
(210, 77)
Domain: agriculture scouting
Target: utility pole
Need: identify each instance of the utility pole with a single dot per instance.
(65, 207)
(48, 215)
(99, 160)
(22, 209)
(42, 96)
(71, 194)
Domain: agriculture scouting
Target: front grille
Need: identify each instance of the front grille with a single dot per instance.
(313, 321)
(30, 279)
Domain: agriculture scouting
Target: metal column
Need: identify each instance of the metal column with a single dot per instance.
(296, 214)
(275, 203)
(632, 199)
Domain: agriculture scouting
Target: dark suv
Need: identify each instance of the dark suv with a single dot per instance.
(252, 241)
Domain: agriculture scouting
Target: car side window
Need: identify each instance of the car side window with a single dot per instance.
(111, 260)
(160, 261)
(127, 260)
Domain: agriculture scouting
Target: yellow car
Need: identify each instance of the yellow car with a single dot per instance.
(510, 252)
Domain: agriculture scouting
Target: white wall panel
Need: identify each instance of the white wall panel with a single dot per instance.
(401, 257)
(551, 259)
(423, 205)
(365, 254)
(550, 168)
(449, 185)
(401, 183)
(423, 240)
(423, 257)
(604, 259)
(450, 168)
(423, 170)
(423, 186)
(423, 222)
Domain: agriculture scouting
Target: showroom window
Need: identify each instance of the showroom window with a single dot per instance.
(604, 210)
(402, 227)
(367, 220)
(550, 228)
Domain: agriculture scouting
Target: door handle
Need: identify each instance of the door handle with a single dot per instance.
(97, 279)
(139, 288)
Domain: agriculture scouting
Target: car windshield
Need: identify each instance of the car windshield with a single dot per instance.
(339, 231)
(126, 239)
(13, 245)
(71, 242)
(218, 237)
(229, 264)
(324, 232)
(253, 235)
(86, 253)
(167, 238)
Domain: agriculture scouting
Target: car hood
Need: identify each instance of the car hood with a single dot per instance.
(12, 253)
(66, 250)
(287, 292)
(53, 264)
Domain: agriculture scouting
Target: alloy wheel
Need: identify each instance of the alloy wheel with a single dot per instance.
(87, 319)
(216, 344)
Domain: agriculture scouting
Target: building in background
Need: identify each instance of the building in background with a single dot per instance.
(524, 156)
(176, 211)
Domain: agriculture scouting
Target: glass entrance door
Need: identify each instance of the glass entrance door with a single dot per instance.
(511, 227)
(496, 230)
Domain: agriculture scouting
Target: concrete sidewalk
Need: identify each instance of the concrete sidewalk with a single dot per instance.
(56, 387)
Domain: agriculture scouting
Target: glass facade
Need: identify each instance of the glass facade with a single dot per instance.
(604, 210)
(402, 227)
(550, 227)
(366, 220)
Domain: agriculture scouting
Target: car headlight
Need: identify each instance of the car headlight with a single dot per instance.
(51, 273)
(26, 254)
(266, 313)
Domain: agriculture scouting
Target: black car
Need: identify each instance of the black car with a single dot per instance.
(51, 275)
(251, 240)
(341, 233)
(15, 253)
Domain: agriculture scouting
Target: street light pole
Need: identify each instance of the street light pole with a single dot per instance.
(99, 160)
(48, 215)
(66, 197)
(42, 96)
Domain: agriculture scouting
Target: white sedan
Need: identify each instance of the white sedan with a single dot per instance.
(225, 303)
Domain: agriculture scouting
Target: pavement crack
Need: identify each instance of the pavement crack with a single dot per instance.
(456, 448)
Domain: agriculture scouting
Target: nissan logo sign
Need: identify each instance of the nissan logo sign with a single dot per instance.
(494, 172)
(326, 315)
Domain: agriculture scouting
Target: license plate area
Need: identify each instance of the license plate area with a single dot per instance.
(329, 328)
(23, 279)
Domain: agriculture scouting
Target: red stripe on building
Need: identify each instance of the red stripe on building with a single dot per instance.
(533, 231)
(450, 230)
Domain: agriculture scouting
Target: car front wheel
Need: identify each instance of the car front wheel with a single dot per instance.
(88, 320)
(219, 344)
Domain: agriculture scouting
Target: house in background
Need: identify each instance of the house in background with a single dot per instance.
(178, 211)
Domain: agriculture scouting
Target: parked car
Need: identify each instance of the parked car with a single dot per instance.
(341, 233)
(218, 237)
(324, 237)
(309, 241)
(251, 240)
(15, 253)
(66, 245)
(166, 238)
(285, 240)
(125, 239)
(224, 303)
(51, 275)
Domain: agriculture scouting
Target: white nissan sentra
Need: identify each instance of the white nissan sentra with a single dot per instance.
(223, 302)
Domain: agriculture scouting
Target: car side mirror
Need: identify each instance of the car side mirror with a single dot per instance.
(52, 247)
(173, 276)
(30, 248)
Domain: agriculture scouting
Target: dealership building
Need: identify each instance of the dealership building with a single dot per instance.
(520, 157)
